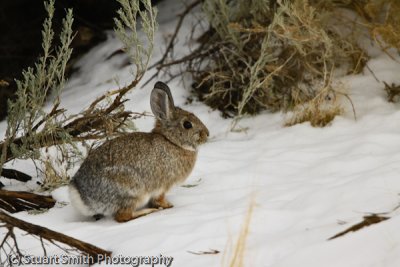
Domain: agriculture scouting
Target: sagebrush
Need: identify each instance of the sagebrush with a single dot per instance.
(31, 128)
(269, 54)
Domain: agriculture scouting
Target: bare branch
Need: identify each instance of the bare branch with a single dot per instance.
(178, 26)
(49, 235)
(15, 201)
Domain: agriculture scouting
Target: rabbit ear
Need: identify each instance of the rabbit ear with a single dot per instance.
(161, 102)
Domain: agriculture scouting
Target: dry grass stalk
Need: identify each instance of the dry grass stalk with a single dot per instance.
(237, 258)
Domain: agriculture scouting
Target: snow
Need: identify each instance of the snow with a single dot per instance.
(307, 184)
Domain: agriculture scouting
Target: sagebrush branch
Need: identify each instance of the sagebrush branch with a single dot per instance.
(92, 123)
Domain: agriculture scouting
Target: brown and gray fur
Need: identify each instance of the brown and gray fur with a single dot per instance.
(127, 177)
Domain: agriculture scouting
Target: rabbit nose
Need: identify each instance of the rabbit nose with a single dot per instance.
(207, 133)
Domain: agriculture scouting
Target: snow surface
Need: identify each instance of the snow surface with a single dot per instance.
(307, 183)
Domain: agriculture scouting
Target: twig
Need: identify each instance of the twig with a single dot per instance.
(195, 54)
(161, 63)
(368, 220)
(178, 26)
(12, 235)
(54, 112)
(373, 74)
(351, 103)
(5, 238)
(210, 252)
(43, 246)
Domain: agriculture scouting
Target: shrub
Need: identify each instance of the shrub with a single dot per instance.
(30, 128)
(269, 55)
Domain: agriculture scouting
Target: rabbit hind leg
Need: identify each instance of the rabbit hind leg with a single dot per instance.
(131, 208)
(124, 215)
(160, 202)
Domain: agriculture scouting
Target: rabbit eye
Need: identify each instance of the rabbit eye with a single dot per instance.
(187, 124)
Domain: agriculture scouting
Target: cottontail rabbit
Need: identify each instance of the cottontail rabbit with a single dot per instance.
(127, 177)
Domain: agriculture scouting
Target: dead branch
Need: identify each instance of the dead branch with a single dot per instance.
(16, 175)
(52, 236)
(198, 53)
(15, 201)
